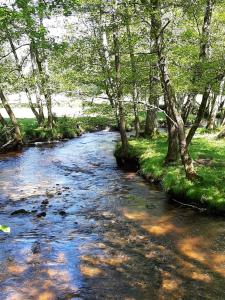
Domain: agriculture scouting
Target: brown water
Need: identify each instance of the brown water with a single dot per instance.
(106, 234)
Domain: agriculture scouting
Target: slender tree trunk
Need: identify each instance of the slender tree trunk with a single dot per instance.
(211, 121)
(37, 88)
(19, 69)
(151, 114)
(106, 67)
(216, 103)
(173, 141)
(153, 101)
(187, 107)
(134, 76)
(119, 89)
(44, 81)
(223, 118)
(221, 110)
(200, 115)
(150, 122)
(17, 132)
(105, 57)
(203, 55)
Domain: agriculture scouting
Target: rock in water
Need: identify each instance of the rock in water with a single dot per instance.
(62, 213)
(45, 202)
(20, 212)
(41, 214)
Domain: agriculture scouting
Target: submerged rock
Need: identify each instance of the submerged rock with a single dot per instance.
(62, 213)
(20, 212)
(45, 202)
(41, 214)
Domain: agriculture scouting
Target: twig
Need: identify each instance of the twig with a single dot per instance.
(4, 56)
(154, 107)
(164, 27)
(189, 205)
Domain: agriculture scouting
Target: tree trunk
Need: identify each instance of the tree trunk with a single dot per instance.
(17, 132)
(223, 118)
(221, 134)
(203, 55)
(106, 66)
(187, 107)
(199, 116)
(153, 101)
(170, 97)
(37, 87)
(211, 122)
(134, 77)
(44, 84)
(105, 57)
(150, 122)
(19, 69)
(216, 104)
(119, 89)
(173, 141)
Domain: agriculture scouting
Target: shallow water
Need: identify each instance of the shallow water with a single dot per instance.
(106, 234)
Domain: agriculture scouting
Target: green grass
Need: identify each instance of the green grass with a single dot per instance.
(209, 157)
(65, 127)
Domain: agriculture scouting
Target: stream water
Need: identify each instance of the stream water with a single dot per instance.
(83, 229)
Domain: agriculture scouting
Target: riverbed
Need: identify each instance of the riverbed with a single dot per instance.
(81, 228)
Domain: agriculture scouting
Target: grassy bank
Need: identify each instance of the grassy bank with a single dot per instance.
(209, 158)
(65, 128)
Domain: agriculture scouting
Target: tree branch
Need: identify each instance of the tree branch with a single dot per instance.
(4, 56)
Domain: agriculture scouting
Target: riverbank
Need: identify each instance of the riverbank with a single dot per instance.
(65, 128)
(209, 158)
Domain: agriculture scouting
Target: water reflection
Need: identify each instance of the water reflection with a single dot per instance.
(104, 234)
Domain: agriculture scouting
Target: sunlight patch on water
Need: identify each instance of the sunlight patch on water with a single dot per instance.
(89, 271)
(197, 249)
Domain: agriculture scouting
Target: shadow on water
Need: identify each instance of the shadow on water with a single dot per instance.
(104, 234)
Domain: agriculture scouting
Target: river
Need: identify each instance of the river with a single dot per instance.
(88, 230)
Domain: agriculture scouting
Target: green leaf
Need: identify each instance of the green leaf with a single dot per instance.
(5, 228)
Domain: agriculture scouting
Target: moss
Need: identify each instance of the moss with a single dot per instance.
(209, 156)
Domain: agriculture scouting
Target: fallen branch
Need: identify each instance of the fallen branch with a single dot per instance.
(201, 209)
(10, 145)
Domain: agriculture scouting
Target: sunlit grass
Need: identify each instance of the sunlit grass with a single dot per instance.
(209, 158)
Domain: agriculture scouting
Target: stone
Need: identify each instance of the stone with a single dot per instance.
(41, 214)
(20, 212)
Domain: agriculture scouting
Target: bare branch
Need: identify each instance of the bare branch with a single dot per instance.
(4, 56)
(154, 107)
